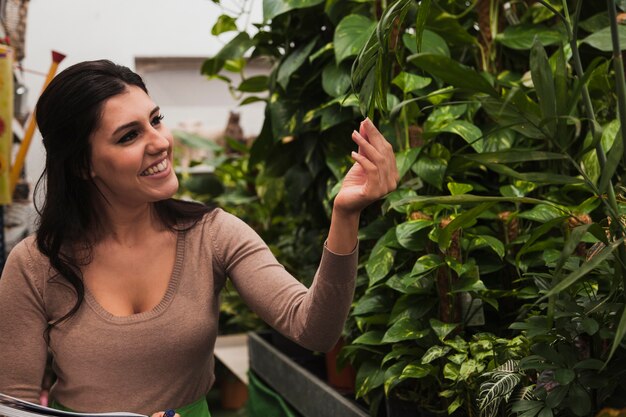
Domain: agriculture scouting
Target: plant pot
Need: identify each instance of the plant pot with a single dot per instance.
(233, 392)
(343, 379)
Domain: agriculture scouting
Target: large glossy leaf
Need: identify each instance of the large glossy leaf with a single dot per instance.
(406, 159)
(416, 370)
(294, 61)
(335, 79)
(431, 169)
(351, 34)
(431, 43)
(369, 338)
(485, 240)
(435, 352)
(522, 36)
(392, 375)
(381, 258)
(612, 163)
(602, 39)
(452, 72)
(410, 82)
(272, 8)
(254, 84)
(371, 303)
(406, 328)
(468, 131)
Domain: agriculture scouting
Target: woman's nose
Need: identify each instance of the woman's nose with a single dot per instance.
(158, 141)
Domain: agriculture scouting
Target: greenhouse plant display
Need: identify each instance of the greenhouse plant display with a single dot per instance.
(492, 280)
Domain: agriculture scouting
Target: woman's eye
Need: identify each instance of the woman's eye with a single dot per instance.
(128, 136)
(157, 120)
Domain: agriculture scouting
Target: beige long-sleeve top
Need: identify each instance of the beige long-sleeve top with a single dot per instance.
(161, 358)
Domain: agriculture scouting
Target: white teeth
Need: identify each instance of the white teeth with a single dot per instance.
(156, 169)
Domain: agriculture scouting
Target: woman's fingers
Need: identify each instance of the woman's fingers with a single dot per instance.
(380, 152)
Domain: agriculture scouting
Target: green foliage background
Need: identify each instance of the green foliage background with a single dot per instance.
(492, 280)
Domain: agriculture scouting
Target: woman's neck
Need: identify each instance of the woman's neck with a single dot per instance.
(129, 226)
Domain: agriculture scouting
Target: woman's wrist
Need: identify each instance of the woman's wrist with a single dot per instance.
(344, 230)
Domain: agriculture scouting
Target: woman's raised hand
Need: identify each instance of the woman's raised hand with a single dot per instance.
(374, 173)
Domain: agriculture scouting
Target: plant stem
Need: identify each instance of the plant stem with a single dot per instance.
(618, 68)
(612, 201)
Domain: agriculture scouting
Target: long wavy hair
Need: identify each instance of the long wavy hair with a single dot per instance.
(68, 112)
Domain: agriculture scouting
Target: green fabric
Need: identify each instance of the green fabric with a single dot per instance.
(264, 402)
(199, 408)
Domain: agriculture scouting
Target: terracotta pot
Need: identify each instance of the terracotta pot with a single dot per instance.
(233, 392)
(340, 379)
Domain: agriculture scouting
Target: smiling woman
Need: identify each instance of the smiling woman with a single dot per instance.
(123, 281)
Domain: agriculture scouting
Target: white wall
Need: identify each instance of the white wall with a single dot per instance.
(121, 30)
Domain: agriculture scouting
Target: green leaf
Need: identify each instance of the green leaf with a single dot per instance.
(351, 34)
(466, 218)
(420, 23)
(435, 352)
(223, 24)
(406, 328)
(458, 401)
(613, 159)
(602, 39)
(585, 268)
(620, 331)
(371, 303)
(410, 82)
(457, 188)
(595, 23)
(452, 72)
(579, 400)
(392, 376)
(370, 338)
(442, 329)
(369, 377)
(254, 84)
(381, 258)
(233, 50)
(468, 131)
(294, 61)
(495, 244)
(543, 81)
(335, 79)
(451, 371)
(522, 36)
(514, 156)
(431, 43)
(542, 213)
(431, 169)
(406, 159)
(406, 233)
(511, 116)
(273, 8)
(564, 376)
(416, 370)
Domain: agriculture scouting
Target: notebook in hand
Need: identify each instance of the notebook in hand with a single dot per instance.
(14, 407)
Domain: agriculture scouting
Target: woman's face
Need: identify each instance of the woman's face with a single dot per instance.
(131, 151)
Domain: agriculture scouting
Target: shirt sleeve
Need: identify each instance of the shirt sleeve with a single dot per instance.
(312, 317)
(23, 349)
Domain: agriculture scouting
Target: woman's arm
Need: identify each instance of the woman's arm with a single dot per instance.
(373, 175)
(23, 350)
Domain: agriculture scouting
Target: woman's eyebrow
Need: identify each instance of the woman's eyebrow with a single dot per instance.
(134, 123)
